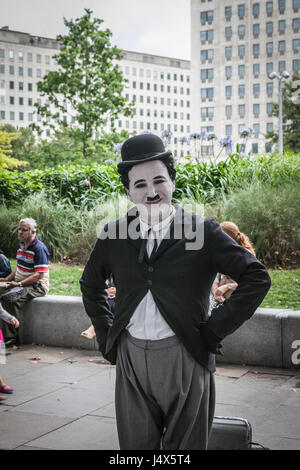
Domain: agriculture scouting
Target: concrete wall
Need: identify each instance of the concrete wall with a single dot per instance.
(270, 338)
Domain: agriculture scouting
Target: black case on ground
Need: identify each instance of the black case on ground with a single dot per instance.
(230, 433)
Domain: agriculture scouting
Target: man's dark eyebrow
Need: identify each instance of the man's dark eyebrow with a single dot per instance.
(139, 181)
(156, 177)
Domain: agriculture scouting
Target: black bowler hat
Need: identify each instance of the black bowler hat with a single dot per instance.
(142, 148)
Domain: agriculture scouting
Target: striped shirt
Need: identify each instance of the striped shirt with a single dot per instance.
(34, 259)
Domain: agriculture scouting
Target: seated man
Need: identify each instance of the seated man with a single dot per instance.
(31, 273)
(5, 268)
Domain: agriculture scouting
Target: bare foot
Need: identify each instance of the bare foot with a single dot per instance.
(89, 333)
(2, 398)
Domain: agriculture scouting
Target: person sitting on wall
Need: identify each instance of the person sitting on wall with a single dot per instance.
(31, 275)
(5, 267)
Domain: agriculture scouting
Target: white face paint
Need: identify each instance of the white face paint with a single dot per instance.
(151, 189)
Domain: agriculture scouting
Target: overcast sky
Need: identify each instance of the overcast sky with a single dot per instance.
(159, 27)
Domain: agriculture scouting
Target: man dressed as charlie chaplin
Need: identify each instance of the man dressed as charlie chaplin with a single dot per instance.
(163, 261)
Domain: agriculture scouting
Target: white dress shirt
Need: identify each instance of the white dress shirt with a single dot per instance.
(146, 321)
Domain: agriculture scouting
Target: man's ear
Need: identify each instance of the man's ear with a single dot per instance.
(128, 193)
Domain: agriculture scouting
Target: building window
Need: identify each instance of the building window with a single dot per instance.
(207, 93)
(228, 53)
(296, 45)
(241, 11)
(268, 147)
(269, 88)
(2, 68)
(255, 50)
(296, 65)
(20, 71)
(269, 127)
(20, 56)
(228, 33)
(256, 90)
(12, 115)
(281, 26)
(29, 101)
(11, 54)
(2, 99)
(11, 85)
(228, 13)
(255, 10)
(241, 31)
(241, 51)
(269, 109)
(21, 86)
(256, 30)
(269, 67)
(296, 5)
(207, 74)
(296, 25)
(205, 113)
(256, 109)
(21, 100)
(228, 91)
(256, 130)
(2, 114)
(269, 49)
(38, 73)
(228, 129)
(269, 29)
(256, 68)
(281, 6)
(2, 53)
(11, 70)
(11, 100)
(241, 70)
(241, 91)
(281, 47)
(29, 56)
(207, 54)
(206, 17)
(228, 72)
(241, 110)
(254, 148)
(269, 8)
(29, 72)
(228, 111)
(39, 58)
(281, 65)
(204, 36)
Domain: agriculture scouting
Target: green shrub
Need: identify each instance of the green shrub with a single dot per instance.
(268, 215)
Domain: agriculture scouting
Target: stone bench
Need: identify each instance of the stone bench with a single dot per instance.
(271, 338)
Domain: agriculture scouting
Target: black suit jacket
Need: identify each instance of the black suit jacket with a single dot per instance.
(180, 280)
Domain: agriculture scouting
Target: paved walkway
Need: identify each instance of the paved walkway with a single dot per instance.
(64, 399)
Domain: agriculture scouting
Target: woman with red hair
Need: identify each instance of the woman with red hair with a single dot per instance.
(223, 286)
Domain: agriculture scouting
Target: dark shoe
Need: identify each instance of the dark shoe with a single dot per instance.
(12, 342)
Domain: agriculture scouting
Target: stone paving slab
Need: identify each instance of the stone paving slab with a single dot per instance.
(88, 433)
(19, 428)
(67, 401)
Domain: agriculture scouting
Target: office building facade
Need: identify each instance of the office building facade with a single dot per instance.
(235, 45)
(158, 86)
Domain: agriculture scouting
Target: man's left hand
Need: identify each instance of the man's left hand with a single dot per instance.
(11, 284)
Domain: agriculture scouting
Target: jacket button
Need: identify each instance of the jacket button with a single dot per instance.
(150, 269)
(149, 282)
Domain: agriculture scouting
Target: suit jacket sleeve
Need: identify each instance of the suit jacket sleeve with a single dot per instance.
(92, 284)
(227, 257)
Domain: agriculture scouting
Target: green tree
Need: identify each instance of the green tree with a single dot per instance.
(88, 80)
(23, 145)
(8, 162)
(290, 116)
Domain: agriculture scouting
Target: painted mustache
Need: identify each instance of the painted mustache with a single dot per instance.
(153, 199)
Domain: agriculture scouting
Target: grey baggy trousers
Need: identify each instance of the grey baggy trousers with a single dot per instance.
(164, 398)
